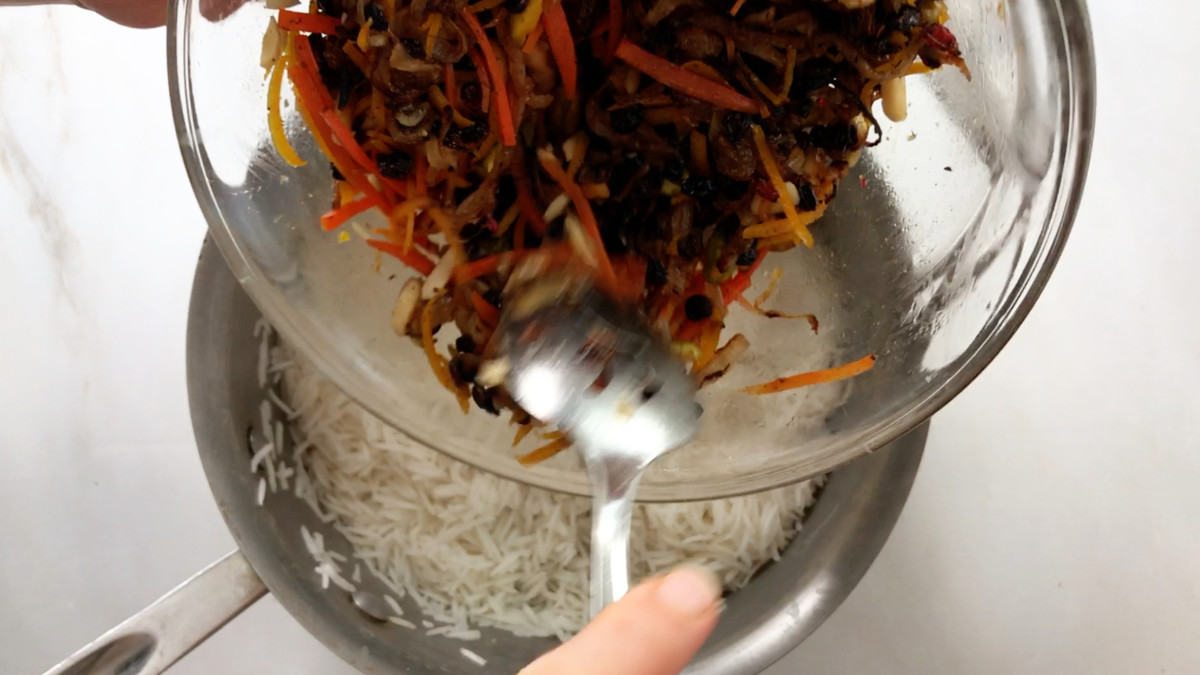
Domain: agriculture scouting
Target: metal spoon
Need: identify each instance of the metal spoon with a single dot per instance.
(581, 361)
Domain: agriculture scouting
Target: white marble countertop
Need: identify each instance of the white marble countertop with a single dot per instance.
(1052, 529)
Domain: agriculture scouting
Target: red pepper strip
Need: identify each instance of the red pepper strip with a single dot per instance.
(415, 260)
(311, 98)
(309, 23)
(732, 289)
(562, 46)
(615, 20)
(346, 137)
(534, 35)
(508, 132)
(529, 207)
(334, 219)
(684, 81)
(486, 311)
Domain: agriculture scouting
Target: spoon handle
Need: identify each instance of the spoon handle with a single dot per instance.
(614, 485)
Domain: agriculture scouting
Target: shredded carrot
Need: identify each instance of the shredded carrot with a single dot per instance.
(410, 224)
(781, 226)
(789, 71)
(356, 55)
(689, 331)
(616, 17)
(699, 152)
(420, 172)
(508, 131)
(584, 210)
(528, 206)
(432, 26)
(684, 81)
(451, 86)
(631, 273)
(735, 287)
(534, 36)
(413, 259)
(440, 368)
(478, 268)
(785, 199)
(335, 217)
(522, 432)
(345, 137)
(596, 190)
(710, 339)
(485, 5)
(815, 377)
(308, 23)
(275, 113)
(578, 154)
(485, 83)
(519, 233)
(737, 6)
(562, 45)
(488, 313)
(506, 221)
(545, 452)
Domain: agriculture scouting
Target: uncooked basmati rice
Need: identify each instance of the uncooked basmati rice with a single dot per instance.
(472, 549)
(472, 656)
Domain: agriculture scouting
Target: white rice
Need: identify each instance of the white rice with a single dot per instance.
(472, 656)
(473, 550)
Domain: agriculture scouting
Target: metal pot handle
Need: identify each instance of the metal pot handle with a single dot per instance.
(152, 640)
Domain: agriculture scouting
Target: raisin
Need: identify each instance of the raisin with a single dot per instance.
(698, 307)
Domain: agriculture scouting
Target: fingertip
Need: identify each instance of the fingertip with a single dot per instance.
(688, 592)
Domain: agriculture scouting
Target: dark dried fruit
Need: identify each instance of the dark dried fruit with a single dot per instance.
(471, 93)
(747, 257)
(395, 165)
(673, 170)
(464, 344)
(698, 307)
(656, 273)
(374, 13)
(485, 399)
(736, 125)
(463, 370)
(516, 6)
(627, 120)
(808, 198)
(461, 138)
(698, 187)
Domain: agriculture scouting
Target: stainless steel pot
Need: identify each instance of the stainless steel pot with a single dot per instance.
(841, 537)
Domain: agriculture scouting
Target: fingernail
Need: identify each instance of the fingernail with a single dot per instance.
(689, 591)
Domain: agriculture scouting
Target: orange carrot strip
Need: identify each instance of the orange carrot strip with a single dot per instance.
(733, 288)
(334, 218)
(534, 36)
(522, 432)
(682, 80)
(508, 132)
(789, 209)
(562, 45)
(545, 452)
(436, 361)
(478, 268)
(411, 258)
(615, 19)
(737, 6)
(529, 207)
(309, 23)
(583, 209)
(451, 86)
(710, 339)
(488, 314)
(815, 377)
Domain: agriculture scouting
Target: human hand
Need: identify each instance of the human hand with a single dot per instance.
(152, 13)
(654, 630)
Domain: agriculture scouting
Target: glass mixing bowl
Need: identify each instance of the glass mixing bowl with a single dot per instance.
(937, 246)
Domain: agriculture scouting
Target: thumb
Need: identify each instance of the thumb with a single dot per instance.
(654, 630)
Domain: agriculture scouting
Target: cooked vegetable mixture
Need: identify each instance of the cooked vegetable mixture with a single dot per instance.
(668, 145)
